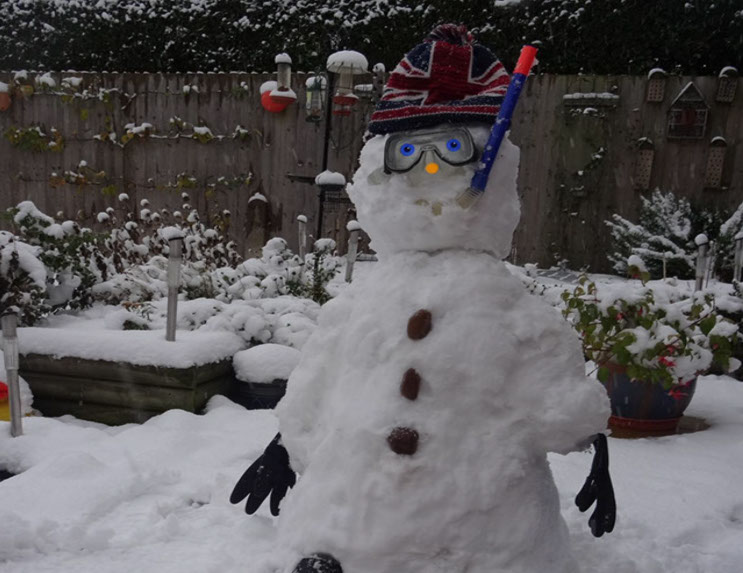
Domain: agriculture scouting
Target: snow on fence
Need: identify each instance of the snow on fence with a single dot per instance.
(150, 135)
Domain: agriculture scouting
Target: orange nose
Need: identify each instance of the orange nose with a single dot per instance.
(432, 168)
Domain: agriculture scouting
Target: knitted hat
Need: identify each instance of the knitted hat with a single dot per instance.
(446, 79)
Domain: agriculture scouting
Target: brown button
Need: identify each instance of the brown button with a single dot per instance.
(411, 384)
(419, 325)
(403, 441)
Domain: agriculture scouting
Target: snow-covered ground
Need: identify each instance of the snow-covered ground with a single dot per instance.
(154, 497)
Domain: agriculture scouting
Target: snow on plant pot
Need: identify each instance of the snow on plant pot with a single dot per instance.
(262, 372)
(650, 342)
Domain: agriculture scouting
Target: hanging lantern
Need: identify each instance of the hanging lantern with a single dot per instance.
(315, 105)
(346, 64)
(268, 103)
(283, 92)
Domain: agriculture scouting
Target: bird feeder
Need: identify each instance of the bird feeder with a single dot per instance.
(315, 105)
(5, 99)
(283, 93)
(346, 64)
(268, 103)
(378, 72)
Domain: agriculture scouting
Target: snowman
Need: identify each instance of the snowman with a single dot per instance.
(414, 431)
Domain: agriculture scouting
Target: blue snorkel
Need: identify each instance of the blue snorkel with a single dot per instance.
(502, 124)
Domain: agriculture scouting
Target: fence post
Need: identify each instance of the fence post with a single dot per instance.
(10, 352)
(353, 247)
(738, 255)
(702, 243)
(302, 222)
(175, 258)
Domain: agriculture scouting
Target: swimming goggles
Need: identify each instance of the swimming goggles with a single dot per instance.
(404, 150)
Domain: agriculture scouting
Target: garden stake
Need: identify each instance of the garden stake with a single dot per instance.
(353, 247)
(302, 222)
(738, 256)
(174, 279)
(10, 351)
(702, 246)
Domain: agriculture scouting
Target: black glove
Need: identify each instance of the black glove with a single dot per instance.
(270, 473)
(598, 488)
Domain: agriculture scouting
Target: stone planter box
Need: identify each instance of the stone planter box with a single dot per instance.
(118, 392)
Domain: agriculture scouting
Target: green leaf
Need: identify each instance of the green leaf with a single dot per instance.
(708, 324)
(603, 374)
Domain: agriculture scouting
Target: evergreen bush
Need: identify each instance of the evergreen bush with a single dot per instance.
(666, 230)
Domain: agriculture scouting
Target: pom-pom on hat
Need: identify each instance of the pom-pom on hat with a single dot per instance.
(446, 79)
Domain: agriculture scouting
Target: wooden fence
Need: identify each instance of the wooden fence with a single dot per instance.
(579, 154)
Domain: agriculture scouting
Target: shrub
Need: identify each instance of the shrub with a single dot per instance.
(658, 333)
(127, 262)
(22, 280)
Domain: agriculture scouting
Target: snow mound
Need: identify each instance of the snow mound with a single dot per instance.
(265, 363)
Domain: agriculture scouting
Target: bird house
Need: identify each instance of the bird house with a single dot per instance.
(715, 163)
(727, 82)
(656, 88)
(643, 164)
(687, 118)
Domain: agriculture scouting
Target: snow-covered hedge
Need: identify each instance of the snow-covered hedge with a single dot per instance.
(211, 35)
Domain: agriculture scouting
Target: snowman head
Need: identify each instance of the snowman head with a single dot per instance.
(430, 128)
(411, 204)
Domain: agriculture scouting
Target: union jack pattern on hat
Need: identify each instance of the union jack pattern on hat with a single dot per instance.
(446, 79)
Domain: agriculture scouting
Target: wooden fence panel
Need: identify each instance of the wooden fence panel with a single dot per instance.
(577, 156)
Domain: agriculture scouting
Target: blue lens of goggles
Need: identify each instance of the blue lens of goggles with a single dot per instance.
(404, 150)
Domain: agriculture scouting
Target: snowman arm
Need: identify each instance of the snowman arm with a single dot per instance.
(598, 488)
(568, 415)
(270, 474)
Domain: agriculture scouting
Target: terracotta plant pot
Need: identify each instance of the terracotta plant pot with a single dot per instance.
(645, 408)
(5, 101)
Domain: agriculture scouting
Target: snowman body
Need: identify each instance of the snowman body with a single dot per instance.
(497, 381)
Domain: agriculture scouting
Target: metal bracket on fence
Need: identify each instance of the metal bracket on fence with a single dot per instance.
(10, 353)
(175, 258)
(353, 247)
